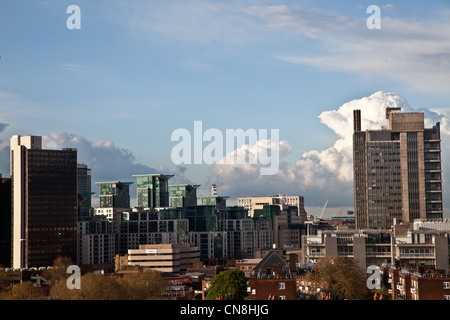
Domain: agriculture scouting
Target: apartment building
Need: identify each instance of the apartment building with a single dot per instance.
(419, 283)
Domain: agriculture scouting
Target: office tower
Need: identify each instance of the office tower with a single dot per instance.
(5, 222)
(152, 190)
(114, 194)
(85, 183)
(84, 192)
(182, 195)
(44, 203)
(397, 171)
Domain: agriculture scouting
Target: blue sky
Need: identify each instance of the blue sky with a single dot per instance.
(137, 70)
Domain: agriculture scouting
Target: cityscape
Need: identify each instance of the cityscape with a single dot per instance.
(247, 151)
(397, 230)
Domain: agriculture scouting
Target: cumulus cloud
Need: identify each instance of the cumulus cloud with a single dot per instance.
(320, 175)
(107, 161)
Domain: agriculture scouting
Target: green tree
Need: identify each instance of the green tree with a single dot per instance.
(342, 276)
(228, 285)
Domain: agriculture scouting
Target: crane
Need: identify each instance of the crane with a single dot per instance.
(323, 209)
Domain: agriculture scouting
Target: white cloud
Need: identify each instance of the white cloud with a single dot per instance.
(412, 52)
(321, 175)
(191, 21)
(70, 66)
(416, 53)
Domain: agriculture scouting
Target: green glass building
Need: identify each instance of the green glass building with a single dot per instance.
(114, 194)
(152, 190)
(182, 195)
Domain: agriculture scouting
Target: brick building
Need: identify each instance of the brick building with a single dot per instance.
(272, 277)
(405, 283)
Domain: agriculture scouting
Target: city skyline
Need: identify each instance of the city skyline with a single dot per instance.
(117, 88)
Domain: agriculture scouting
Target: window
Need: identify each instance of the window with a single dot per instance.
(281, 286)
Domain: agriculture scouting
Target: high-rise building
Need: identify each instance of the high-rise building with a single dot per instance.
(152, 190)
(114, 194)
(397, 171)
(44, 203)
(5, 222)
(84, 192)
(182, 195)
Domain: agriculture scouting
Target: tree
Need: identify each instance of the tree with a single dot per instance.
(58, 271)
(23, 291)
(93, 287)
(136, 286)
(342, 276)
(228, 285)
(142, 285)
(4, 281)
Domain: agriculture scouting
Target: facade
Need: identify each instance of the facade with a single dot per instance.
(427, 244)
(285, 224)
(164, 257)
(44, 203)
(240, 231)
(415, 247)
(84, 192)
(258, 203)
(182, 195)
(97, 241)
(406, 283)
(272, 279)
(114, 194)
(397, 171)
(140, 226)
(247, 266)
(152, 190)
(366, 247)
(5, 221)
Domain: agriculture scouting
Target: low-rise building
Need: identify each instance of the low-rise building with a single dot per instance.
(416, 245)
(413, 283)
(247, 266)
(164, 257)
(272, 279)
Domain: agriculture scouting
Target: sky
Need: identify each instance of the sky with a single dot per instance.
(136, 71)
